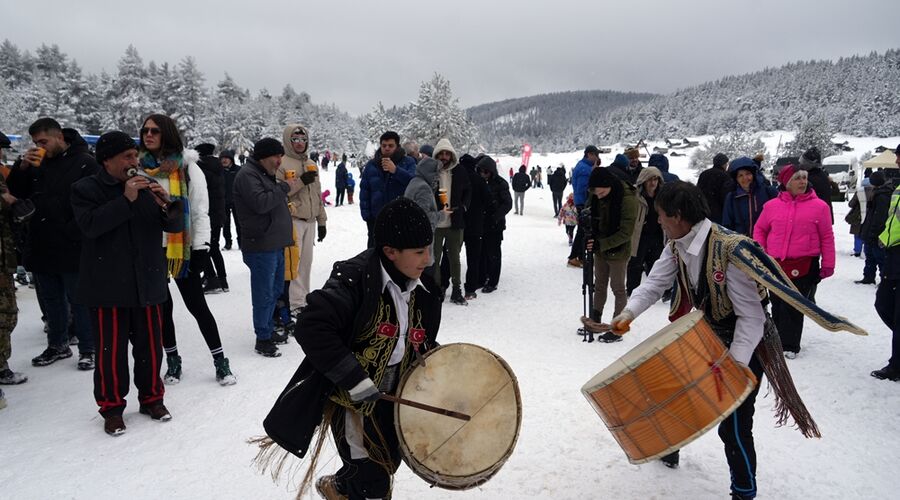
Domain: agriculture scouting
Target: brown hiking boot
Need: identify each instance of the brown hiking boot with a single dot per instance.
(114, 425)
(327, 488)
(157, 411)
(575, 262)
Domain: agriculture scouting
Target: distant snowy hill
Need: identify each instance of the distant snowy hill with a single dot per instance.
(557, 122)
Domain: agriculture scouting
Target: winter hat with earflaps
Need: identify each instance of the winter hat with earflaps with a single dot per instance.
(402, 224)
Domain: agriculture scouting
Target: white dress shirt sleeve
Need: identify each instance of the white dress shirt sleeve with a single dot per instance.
(748, 330)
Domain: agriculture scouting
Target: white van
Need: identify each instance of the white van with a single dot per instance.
(842, 170)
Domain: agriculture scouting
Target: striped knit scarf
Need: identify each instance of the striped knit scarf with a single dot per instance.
(178, 245)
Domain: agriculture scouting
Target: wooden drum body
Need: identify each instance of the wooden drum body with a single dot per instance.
(669, 389)
(448, 452)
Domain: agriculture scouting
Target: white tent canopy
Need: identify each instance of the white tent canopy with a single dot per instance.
(887, 159)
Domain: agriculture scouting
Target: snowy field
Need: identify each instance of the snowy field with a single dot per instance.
(54, 445)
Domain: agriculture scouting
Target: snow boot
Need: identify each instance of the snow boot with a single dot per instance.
(212, 286)
(887, 373)
(9, 377)
(223, 372)
(457, 298)
(327, 487)
(52, 355)
(157, 411)
(471, 295)
(223, 282)
(114, 425)
(86, 361)
(671, 460)
(173, 372)
(488, 289)
(267, 348)
(279, 337)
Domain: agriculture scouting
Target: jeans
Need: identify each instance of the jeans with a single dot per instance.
(57, 292)
(857, 244)
(520, 202)
(874, 260)
(557, 202)
(266, 284)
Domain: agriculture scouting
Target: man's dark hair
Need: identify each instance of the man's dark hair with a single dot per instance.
(683, 199)
(44, 125)
(390, 134)
(170, 139)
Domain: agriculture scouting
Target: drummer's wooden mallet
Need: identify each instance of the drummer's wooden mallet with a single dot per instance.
(423, 406)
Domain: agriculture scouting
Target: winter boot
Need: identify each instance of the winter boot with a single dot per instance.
(86, 361)
(471, 295)
(457, 297)
(173, 372)
(212, 286)
(671, 460)
(114, 425)
(157, 411)
(488, 289)
(279, 337)
(9, 377)
(223, 282)
(267, 348)
(52, 355)
(327, 487)
(223, 372)
(574, 262)
(887, 373)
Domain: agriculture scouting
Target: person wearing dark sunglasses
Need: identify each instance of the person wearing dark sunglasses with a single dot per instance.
(164, 158)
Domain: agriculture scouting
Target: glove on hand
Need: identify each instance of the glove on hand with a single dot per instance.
(308, 177)
(322, 232)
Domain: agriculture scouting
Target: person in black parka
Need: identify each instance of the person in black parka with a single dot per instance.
(473, 235)
(715, 184)
(558, 183)
(494, 224)
(215, 276)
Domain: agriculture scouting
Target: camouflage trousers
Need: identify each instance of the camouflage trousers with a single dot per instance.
(9, 314)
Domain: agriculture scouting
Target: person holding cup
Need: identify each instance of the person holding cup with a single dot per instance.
(455, 195)
(53, 247)
(307, 211)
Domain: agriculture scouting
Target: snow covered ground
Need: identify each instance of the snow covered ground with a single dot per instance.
(54, 446)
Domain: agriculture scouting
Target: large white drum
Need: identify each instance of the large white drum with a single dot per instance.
(448, 452)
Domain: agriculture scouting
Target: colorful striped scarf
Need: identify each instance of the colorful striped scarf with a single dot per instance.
(178, 245)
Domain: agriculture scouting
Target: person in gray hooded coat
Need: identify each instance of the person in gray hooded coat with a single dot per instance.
(421, 189)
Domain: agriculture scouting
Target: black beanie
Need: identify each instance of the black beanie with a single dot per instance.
(112, 143)
(720, 160)
(402, 224)
(601, 177)
(227, 153)
(876, 179)
(812, 154)
(205, 149)
(267, 147)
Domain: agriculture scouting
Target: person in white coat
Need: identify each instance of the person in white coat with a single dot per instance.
(164, 159)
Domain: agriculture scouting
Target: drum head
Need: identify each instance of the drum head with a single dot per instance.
(446, 451)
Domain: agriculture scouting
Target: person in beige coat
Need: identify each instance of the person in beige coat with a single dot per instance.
(647, 240)
(305, 204)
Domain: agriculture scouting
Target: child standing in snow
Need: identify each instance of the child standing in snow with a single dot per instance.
(568, 215)
(351, 185)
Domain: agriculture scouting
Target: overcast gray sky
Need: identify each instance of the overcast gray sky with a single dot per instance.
(356, 53)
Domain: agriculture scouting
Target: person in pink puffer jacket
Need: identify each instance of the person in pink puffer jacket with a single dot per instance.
(795, 229)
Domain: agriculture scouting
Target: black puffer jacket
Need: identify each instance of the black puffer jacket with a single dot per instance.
(334, 316)
(53, 242)
(215, 185)
(123, 263)
(715, 184)
(877, 212)
(558, 181)
(821, 184)
(521, 182)
(501, 201)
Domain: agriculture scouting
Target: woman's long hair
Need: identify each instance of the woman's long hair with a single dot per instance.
(170, 140)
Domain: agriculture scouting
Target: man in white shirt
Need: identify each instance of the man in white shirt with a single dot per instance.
(683, 215)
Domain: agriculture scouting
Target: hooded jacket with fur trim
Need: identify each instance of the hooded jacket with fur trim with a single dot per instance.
(305, 202)
(456, 181)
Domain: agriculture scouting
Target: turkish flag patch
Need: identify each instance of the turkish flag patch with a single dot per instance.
(416, 335)
(387, 330)
(718, 276)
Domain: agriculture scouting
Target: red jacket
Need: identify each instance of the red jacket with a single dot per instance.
(791, 227)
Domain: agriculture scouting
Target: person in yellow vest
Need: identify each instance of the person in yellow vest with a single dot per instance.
(305, 202)
(887, 299)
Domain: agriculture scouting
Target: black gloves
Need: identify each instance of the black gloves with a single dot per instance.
(308, 177)
(322, 233)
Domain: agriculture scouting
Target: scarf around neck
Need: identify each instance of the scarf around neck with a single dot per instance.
(178, 245)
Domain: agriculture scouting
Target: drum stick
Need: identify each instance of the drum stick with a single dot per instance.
(422, 406)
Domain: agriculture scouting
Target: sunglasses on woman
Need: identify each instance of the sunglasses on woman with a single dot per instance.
(297, 140)
(150, 131)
